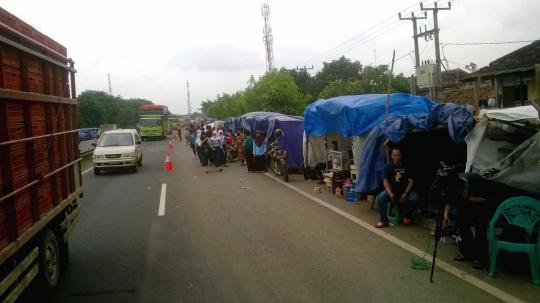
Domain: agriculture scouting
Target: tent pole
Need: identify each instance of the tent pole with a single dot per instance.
(389, 86)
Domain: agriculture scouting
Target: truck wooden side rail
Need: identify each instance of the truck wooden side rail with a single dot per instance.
(40, 169)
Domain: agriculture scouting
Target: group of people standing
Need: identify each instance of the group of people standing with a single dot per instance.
(211, 147)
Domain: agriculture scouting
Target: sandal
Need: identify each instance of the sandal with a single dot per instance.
(380, 225)
(461, 258)
(477, 265)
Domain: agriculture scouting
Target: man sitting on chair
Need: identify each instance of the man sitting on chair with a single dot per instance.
(398, 186)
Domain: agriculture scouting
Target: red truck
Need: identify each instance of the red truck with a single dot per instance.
(40, 168)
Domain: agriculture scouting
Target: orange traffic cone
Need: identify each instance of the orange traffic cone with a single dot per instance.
(168, 163)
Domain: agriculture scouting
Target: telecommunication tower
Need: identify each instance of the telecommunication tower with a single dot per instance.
(110, 85)
(267, 38)
(188, 100)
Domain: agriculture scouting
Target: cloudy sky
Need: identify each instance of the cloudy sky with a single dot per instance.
(151, 48)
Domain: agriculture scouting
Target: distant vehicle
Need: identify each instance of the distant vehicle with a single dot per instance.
(87, 136)
(153, 121)
(40, 171)
(118, 149)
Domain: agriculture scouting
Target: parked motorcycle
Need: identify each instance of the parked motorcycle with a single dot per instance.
(277, 157)
(232, 153)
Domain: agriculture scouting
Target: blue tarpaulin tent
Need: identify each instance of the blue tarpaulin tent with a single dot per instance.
(459, 119)
(268, 122)
(357, 115)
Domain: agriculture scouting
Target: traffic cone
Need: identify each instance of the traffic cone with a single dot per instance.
(168, 163)
(170, 144)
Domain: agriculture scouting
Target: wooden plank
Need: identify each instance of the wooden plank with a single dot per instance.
(50, 154)
(26, 96)
(14, 246)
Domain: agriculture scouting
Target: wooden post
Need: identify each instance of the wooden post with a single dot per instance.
(477, 92)
(537, 76)
(389, 86)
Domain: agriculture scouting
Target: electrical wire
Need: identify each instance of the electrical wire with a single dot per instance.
(488, 43)
(347, 45)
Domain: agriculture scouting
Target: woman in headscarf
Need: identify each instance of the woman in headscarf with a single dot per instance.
(223, 147)
(206, 150)
(259, 152)
(217, 150)
(198, 144)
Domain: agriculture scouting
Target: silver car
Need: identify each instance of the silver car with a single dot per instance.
(118, 149)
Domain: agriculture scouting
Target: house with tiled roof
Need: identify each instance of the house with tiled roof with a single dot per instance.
(515, 77)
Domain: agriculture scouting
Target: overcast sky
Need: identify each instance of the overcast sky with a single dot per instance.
(151, 48)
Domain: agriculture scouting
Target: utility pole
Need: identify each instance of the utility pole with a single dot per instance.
(435, 9)
(188, 101)
(413, 18)
(110, 86)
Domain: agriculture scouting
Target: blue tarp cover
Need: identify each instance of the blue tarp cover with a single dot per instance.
(458, 118)
(268, 122)
(357, 115)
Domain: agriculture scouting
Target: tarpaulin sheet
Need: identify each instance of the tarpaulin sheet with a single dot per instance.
(292, 126)
(357, 115)
(459, 120)
(231, 124)
(494, 153)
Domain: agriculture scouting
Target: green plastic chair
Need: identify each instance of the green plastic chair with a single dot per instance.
(520, 211)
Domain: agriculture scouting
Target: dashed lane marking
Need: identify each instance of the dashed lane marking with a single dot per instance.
(161, 211)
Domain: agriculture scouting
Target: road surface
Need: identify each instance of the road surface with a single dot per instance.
(230, 237)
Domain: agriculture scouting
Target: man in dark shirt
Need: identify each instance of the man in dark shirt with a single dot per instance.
(398, 186)
(476, 200)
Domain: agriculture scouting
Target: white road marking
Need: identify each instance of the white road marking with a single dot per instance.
(84, 172)
(490, 289)
(161, 211)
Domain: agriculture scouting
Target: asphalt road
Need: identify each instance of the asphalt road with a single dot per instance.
(230, 237)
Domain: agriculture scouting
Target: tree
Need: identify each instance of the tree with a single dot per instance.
(342, 69)
(98, 107)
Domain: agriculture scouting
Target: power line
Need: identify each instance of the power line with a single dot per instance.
(355, 38)
(488, 43)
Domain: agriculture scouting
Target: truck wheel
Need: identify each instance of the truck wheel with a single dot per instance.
(49, 261)
(97, 171)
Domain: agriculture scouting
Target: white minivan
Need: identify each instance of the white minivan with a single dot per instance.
(118, 149)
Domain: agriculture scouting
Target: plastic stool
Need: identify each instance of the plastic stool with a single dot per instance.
(395, 216)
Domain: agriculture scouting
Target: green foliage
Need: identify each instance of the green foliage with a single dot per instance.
(289, 91)
(275, 91)
(97, 107)
(371, 80)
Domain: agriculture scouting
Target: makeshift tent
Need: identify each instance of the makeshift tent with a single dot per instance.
(458, 119)
(338, 118)
(231, 124)
(268, 122)
(504, 146)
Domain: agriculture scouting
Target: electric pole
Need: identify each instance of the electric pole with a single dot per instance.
(188, 101)
(413, 18)
(303, 68)
(268, 39)
(435, 9)
(110, 86)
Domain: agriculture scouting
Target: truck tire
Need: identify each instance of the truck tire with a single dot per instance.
(97, 171)
(49, 260)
